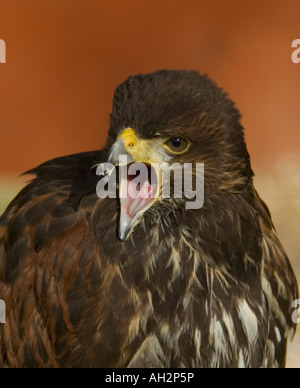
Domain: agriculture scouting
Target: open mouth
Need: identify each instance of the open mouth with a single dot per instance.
(138, 189)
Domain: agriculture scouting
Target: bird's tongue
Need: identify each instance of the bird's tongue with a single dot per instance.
(133, 205)
(138, 189)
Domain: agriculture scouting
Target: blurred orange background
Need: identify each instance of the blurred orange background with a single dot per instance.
(65, 58)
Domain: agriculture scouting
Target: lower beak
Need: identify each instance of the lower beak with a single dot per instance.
(138, 188)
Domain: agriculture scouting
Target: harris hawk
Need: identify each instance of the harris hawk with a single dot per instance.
(99, 282)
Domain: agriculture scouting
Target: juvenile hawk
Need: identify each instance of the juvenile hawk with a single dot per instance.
(92, 282)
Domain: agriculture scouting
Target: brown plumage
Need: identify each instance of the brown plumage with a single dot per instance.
(210, 287)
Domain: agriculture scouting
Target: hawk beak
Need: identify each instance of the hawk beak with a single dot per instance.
(138, 188)
(118, 151)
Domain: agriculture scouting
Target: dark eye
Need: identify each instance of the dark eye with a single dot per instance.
(177, 145)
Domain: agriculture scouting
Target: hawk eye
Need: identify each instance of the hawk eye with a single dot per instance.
(177, 145)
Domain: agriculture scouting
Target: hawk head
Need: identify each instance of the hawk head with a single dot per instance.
(174, 118)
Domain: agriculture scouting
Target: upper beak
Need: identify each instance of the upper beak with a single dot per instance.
(118, 151)
(131, 208)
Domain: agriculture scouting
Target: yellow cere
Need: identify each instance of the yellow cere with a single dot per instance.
(143, 150)
(129, 138)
